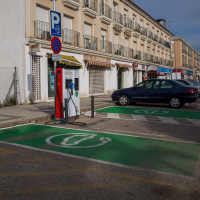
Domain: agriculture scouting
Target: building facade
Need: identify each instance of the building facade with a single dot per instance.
(105, 37)
(186, 59)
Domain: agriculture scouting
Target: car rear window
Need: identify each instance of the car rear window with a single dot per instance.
(184, 82)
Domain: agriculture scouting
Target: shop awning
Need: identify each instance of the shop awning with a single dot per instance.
(97, 63)
(123, 65)
(152, 72)
(69, 60)
(161, 73)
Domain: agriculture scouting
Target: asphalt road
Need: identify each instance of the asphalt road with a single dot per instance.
(28, 173)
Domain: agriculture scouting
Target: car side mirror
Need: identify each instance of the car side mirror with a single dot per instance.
(134, 88)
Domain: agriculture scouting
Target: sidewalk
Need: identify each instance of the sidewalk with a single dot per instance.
(23, 114)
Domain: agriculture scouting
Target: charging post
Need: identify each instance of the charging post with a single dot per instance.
(67, 92)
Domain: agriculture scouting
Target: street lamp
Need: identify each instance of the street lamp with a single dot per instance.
(170, 48)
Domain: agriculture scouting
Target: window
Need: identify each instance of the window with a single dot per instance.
(184, 82)
(41, 14)
(125, 17)
(133, 22)
(145, 85)
(166, 84)
(157, 85)
(86, 3)
(103, 40)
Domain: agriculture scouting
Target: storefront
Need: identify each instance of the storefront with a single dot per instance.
(139, 74)
(121, 70)
(182, 74)
(152, 72)
(68, 60)
(97, 67)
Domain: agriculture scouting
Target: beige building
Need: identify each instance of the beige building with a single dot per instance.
(186, 59)
(105, 37)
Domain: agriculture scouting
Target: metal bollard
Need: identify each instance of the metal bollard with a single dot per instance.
(92, 106)
(66, 111)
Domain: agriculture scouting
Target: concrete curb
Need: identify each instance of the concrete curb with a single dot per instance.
(46, 117)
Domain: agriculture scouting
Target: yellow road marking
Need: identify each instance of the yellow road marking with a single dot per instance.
(67, 188)
(144, 180)
(22, 161)
(5, 151)
(3, 175)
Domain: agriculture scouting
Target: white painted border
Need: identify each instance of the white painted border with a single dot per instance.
(97, 161)
(107, 133)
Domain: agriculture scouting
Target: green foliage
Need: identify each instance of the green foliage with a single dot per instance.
(137, 30)
(11, 101)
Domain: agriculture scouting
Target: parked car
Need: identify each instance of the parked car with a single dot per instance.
(190, 82)
(157, 91)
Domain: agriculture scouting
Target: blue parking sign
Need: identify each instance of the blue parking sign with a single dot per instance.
(55, 23)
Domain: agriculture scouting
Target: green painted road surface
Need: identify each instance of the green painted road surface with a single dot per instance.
(153, 112)
(165, 156)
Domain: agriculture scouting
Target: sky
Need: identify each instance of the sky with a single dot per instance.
(184, 13)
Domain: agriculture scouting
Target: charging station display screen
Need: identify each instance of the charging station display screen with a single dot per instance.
(76, 84)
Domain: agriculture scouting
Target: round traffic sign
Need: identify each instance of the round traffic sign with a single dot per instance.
(56, 45)
(135, 64)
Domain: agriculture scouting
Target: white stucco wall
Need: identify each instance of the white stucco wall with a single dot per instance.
(13, 41)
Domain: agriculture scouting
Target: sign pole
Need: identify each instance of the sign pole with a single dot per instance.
(54, 63)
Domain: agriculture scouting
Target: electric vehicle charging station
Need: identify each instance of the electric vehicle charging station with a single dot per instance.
(67, 87)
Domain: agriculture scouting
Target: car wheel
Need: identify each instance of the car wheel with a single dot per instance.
(175, 102)
(123, 100)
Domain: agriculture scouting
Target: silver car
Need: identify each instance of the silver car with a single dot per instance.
(190, 82)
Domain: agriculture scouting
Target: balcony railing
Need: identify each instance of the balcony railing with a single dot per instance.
(160, 40)
(137, 54)
(92, 4)
(155, 38)
(149, 58)
(189, 54)
(118, 17)
(190, 66)
(184, 51)
(150, 34)
(144, 56)
(161, 61)
(166, 44)
(128, 23)
(118, 49)
(136, 27)
(155, 59)
(90, 42)
(42, 30)
(106, 46)
(71, 37)
(128, 52)
(143, 31)
(105, 10)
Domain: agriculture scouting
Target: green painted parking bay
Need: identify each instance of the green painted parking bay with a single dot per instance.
(153, 112)
(160, 155)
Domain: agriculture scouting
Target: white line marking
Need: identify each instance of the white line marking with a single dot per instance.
(139, 117)
(167, 120)
(85, 130)
(113, 115)
(195, 121)
(93, 160)
(88, 114)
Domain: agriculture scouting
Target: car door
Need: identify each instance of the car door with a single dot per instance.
(161, 91)
(141, 92)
